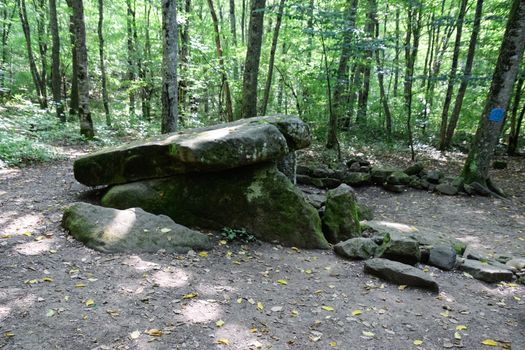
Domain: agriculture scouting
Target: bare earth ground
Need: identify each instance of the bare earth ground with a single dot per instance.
(57, 294)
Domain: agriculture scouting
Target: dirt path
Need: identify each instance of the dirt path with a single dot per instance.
(57, 294)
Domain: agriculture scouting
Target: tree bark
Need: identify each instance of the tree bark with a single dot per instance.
(476, 169)
(253, 56)
(411, 47)
(382, 93)
(73, 99)
(169, 67)
(397, 53)
(55, 64)
(224, 77)
(37, 81)
(515, 121)
(341, 82)
(370, 29)
(275, 38)
(233, 30)
(454, 117)
(147, 90)
(105, 98)
(184, 57)
(452, 76)
(40, 9)
(84, 113)
(131, 57)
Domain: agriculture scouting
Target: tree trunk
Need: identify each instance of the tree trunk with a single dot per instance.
(411, 47)
(233, 29)
(84, 113)
(515, 121)
(40, 9)
(253, 56)
(452, 76)
(243, 22)
(370, 29)
(7, 22)
(454, 117)
(55, 65)
(397, 53)
(147, 90)
(105, 98)
(382, 93)
(224, 77)
(169, 67)
(37, 81)
(275, 38)
(341, 82)
(184, 57)
(476, 169)
(131, 57)
(73, 99)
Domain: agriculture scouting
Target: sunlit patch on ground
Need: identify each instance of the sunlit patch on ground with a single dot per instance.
(4, 312)
(138, 264)
(35, 247)
(238, 336)
(172, 278)
(23, 224)
(201, 311)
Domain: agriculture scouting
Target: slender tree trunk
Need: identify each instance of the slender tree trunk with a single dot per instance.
(253, 56)
(105, 98)
(397, 53)
(84, 113)
(6, 30)
(370, 29)
(411, 47)
(341, 83)
(476, 169)
(515, 121)
(224, 77)
(40, 9)
(169, 67)
(73, 99)
(454, 117)
(332, 141)
(310, 28)
(243, 22)
(55, 65)
(131, 57)
(147, 90)
(452, 76)
(275, 38)
(233, 29)
(382, 93)
(22, 11)
(184, 57)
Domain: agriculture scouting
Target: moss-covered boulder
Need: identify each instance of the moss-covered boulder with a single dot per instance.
(257, 198)
(132, 230)
(220, 147)
(341, 218)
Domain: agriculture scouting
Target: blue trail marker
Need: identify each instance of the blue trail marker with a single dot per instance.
(496, 115)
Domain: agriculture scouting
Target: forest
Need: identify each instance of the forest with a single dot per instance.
(409, 72)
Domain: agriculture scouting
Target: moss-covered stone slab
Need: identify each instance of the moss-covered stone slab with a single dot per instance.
(220, 147)
(132, 230)
(257, 198)
(341, 218)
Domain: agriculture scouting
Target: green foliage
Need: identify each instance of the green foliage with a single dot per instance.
(232, 234)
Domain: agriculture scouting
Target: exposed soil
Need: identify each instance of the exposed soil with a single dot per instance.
(57, 294)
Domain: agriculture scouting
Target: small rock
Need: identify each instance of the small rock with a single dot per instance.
(517, 263)
(400, 248)
(308, 180)
(485, 272)
(357, 179)
(277, 309)
(340, 219)
(394, 188)
(499, 164)
(447, 189)
(399, 273)
(329, 182)
(414, 169)
(356, 248)
(443, 256)
(471, 253)
(434, 176)
(398, 178)
(379, 175)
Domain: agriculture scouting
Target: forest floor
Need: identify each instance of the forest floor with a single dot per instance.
(57, 294)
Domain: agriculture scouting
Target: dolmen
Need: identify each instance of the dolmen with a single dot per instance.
(229, 175)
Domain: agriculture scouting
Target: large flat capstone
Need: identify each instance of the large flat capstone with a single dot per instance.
(257, 198)
(132, 230)
(220, 147)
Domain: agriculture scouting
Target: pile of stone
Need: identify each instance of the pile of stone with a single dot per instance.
(394, 249)
(359, 172)
(229, 175)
